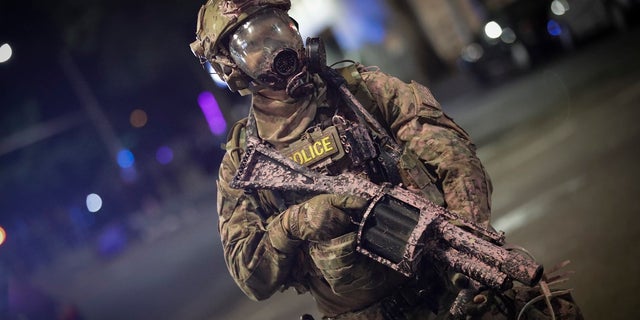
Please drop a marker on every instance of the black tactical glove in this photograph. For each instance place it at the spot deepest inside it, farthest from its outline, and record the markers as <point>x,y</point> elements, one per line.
<point>321,217</point>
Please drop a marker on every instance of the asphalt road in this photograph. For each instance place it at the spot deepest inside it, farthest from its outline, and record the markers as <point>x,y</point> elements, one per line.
<point>561,145</point>
<point>563,158</point>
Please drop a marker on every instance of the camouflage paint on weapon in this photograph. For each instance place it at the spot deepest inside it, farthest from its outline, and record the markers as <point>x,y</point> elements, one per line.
<point>439,234</point>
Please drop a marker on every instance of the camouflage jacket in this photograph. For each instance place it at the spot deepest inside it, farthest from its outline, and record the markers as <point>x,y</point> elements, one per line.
<point>263,260</point>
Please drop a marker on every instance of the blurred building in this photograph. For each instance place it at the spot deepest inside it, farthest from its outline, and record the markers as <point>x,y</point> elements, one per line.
<point>448,24</point>
<point>414,39</point>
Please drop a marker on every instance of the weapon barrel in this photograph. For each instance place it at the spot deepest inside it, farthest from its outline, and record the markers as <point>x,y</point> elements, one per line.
<point>473,267</point>
<point>514,265</point>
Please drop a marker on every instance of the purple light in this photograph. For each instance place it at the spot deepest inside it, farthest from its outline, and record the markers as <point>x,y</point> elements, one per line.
<point>164,155</point>
<point>212,113</point>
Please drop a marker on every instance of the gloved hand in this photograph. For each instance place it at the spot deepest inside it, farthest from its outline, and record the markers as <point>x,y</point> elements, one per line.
<point>321,217</point>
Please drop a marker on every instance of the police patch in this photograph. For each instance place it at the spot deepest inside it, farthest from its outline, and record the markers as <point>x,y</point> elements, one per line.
<point>316,146</point>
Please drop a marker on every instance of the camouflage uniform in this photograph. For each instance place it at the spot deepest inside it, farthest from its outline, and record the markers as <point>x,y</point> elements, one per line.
<point>261,230</point>
<point>262,259</point>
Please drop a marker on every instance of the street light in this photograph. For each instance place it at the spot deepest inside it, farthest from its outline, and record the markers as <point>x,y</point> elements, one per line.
<point>5,52</point>
<point>493,30</point>
<point>3,235</point>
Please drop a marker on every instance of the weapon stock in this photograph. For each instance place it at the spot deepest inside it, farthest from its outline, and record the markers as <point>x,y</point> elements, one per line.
<point>398,228</point>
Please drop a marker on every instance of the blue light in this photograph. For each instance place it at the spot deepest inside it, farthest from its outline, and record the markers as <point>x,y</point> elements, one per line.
<point>366,24</point>
<point>554,28</point>
<point>125,158</point>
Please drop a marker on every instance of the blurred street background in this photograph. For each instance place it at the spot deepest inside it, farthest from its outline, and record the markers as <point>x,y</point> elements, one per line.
<point>111,133</point>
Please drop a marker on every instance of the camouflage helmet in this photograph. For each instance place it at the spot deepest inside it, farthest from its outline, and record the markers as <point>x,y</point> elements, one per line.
<point>216,20</point>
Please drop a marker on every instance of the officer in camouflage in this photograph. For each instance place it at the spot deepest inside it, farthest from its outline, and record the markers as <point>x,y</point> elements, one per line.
<point>275,240</point>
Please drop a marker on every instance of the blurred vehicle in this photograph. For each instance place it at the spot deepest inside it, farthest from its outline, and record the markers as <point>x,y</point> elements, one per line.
<point>577,21</point>
<point>513,40</point>
<point>491,60</point>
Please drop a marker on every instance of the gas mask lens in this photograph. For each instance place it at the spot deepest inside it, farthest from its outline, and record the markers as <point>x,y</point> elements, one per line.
<point>266,47</point>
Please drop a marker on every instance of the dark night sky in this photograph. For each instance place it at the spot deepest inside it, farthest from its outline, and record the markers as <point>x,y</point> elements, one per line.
<point>134,55</point>
<point>122,48</point>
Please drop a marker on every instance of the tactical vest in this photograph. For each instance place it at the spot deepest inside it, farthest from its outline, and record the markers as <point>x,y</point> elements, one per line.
<point>341,143</point>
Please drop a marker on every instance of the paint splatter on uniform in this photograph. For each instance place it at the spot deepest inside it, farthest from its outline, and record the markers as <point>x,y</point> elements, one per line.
<point>263,259</point>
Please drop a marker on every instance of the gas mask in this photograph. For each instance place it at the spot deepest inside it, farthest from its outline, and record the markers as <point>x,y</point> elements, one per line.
<point>268,48</point>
